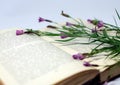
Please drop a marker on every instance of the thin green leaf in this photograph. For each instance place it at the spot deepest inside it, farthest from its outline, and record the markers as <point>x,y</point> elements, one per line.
<point>117,14</point>
<point>66,40</point>
<point>115,21</point>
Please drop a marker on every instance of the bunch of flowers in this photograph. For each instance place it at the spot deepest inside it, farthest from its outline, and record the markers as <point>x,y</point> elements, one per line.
<point>99,35</point>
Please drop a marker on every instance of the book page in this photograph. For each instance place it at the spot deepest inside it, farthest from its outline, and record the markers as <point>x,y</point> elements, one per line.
<point>28,57</point>
<point>9,39</point>
<point>31,58</point>
<point>34,59</point>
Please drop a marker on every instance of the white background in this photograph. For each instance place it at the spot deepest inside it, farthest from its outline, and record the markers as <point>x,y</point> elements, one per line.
<point>25,13</point>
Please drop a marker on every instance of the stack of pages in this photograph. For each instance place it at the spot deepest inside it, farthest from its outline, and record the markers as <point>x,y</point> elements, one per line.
<point>32,60</point>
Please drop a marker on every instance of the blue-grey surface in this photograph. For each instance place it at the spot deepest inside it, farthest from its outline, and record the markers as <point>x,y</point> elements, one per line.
<point>25,13</point>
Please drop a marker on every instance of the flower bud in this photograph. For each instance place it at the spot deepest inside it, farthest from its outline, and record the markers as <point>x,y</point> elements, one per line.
<point>19,32</point>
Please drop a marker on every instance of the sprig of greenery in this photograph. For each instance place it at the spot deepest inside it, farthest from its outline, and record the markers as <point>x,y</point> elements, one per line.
<point>100,34</point>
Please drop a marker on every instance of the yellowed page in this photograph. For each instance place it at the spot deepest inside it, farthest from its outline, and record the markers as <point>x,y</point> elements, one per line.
<point>7,78</point>
<point>63,71</point>
<point>17,57</point>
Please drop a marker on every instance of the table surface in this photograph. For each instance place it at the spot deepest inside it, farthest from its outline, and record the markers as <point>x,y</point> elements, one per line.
<point>25,13</point>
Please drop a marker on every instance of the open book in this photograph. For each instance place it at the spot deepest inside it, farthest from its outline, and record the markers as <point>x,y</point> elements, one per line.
<point>33,60</point>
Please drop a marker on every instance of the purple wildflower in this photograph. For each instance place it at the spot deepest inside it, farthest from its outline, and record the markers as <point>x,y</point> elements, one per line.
<point>94,22</point>
<point>89,20</point>
<point>69,24</point>
<point>63,35</point>
<point>78,56</point>
<point>94,30</point>
<point>41,19</point>
<point>85,63</point>
<point>75,56</point>
<point>19,32</point>
<point>100,24</point>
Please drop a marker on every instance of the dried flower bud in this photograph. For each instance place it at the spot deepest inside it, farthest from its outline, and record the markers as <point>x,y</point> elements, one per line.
<point>85,54</point>
<point>95,65</point>
<point>65,15</point>
<point>48,21</point>
<point>50,26</point>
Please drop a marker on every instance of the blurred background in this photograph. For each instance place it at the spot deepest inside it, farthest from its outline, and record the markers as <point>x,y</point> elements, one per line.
<point>25,13</point>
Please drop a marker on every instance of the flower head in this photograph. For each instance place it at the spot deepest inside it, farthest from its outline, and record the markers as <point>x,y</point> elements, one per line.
<point>19,32</point>
<point>89,20</point>
<point>41,19</point>
<point>100,24</point>
<point>78,56</point>
<point>94,30</point>
<point>69,24</point>
<point>63,35</point>
<point>85,63</point>
<point>96,22</point>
